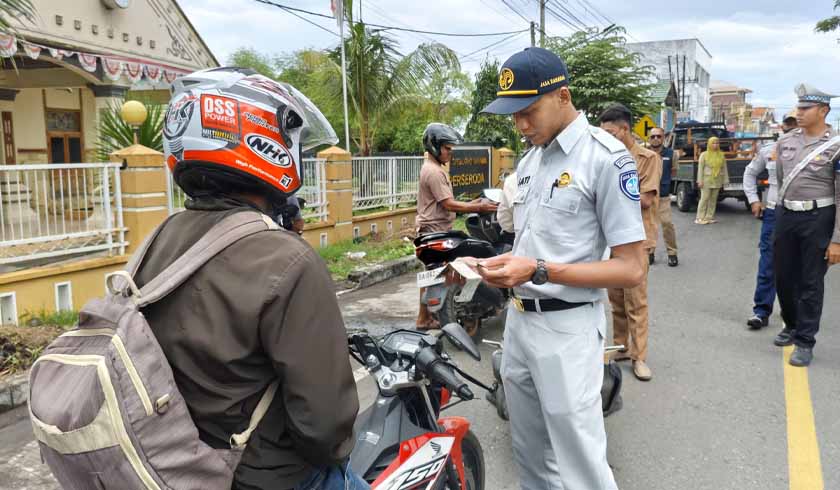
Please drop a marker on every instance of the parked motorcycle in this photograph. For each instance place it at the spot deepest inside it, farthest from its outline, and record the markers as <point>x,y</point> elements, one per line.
<point>611,401</point>
<point>435,250</point>
<point>402,442</point>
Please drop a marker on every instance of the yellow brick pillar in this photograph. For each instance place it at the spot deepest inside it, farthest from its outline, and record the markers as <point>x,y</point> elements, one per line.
<point>503,159</point>
<point>143,185</point>
<point>339,173</point>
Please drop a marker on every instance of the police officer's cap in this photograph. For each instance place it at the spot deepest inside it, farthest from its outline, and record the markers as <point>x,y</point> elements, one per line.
<point>810,96</point>
<point>525,77</point>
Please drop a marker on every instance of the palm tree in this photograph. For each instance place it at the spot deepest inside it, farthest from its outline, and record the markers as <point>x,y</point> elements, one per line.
<point>15,9</point>
<point>379,77</point>
<point>115,134</point>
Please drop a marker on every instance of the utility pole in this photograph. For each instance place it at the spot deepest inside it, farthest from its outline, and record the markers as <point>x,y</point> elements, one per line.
<point>533,34</point>
<point>542,23</point>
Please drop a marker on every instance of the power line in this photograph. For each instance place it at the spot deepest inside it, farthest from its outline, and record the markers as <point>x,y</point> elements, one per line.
<point>392,28</point>
<point>567,12</point>
<point>490,46</point>
<point>517,12</point>
<point>290,11</point>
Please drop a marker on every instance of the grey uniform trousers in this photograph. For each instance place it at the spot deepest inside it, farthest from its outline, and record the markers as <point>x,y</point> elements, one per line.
<point>552,371</point>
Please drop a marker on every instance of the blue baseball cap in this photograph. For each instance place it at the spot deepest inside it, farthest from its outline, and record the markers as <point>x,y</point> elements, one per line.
<point>525,77</point>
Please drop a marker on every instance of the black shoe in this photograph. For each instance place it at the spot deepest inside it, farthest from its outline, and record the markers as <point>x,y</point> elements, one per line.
<point>756,322</point>
<point>785,337</point>
<point>651,259</point>
<point>673,261</point>
<point>801,356</point>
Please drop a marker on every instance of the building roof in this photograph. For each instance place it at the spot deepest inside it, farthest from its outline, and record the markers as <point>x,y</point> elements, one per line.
<point>674,40</point>
<point>663,92</point>
<point>723,86</point>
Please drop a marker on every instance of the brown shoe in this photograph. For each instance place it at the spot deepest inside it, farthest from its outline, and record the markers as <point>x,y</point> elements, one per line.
<point>642,371</point>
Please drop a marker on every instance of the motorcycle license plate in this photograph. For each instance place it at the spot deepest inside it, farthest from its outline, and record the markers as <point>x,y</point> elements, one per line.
<point>431,277</point>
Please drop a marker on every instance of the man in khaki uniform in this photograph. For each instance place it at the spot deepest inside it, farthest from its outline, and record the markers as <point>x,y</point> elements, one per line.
<point>629,305</point>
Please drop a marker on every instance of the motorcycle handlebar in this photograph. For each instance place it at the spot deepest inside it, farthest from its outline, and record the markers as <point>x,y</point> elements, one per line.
<point>430,362</point>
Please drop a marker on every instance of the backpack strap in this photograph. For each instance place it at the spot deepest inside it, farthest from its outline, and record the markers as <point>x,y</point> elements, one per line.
<point>239,441</point>
<point>225,233</point>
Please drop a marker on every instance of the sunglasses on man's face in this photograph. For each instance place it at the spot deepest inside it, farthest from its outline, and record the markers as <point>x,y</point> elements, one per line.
<point>656,136</point>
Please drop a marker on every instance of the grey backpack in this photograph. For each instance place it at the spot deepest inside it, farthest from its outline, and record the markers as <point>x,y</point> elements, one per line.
<point>103,401</point>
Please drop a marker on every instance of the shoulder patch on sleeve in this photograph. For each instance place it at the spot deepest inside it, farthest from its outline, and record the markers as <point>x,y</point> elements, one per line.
<point>629,183</point>
<point>606,139</point>
<point>623,160</point>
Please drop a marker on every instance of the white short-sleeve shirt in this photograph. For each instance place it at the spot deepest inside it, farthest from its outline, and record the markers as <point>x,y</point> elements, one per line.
<point>575,196</point>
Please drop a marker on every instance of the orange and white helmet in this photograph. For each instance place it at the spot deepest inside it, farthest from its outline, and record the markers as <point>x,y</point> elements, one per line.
<point>233,129</point>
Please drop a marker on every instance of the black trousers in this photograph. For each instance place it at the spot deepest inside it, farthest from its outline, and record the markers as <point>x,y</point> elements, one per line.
<point>801,240</point>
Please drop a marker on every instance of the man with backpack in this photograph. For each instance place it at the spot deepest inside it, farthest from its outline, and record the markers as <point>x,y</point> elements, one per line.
<point>260,394</point>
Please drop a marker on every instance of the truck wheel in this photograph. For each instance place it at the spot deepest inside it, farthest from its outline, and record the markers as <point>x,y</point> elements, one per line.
<point>685,198</point>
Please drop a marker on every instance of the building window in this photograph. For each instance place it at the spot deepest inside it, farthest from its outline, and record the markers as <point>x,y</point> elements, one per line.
<point>8,309</point>
<point>373,227</point>
<point>63,296</point>
<point>356,232</point>
<point>390,226</point>
<point>323,239</point>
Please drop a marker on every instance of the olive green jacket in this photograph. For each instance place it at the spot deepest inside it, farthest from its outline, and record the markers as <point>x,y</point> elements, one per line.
<point>704,174</point>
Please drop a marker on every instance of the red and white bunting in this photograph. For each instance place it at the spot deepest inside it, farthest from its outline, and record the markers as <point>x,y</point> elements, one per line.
<point>170,76</point>
<point>88,61</point>
<point>55,53</point>
<point>112,68</point>
<point>153,73</point>
<point>32,50</point>
<point>8,45</point>
<point>134,71</point>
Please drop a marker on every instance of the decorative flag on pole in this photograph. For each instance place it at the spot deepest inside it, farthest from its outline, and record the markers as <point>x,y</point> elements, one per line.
<point>337,7</point>
<point>88,61</point>
<point>32,50</point>
<point>134,71</point>
<point>112,68</point>
<point>153,73</point>
<point>8,45</point>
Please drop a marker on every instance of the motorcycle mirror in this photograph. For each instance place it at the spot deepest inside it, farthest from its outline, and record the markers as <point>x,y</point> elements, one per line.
<point>494,195</point>
<point>462,340</point>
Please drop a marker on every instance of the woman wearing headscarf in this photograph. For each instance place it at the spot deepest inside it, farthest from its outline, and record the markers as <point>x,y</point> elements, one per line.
<point>711,176</point>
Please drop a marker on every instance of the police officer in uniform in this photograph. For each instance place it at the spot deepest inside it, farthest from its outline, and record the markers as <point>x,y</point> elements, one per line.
<point>765,284</point>
<point>808,229</point>
<point>577,193</point>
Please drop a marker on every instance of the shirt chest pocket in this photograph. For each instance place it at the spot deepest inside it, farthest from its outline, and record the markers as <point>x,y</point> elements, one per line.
<point>519,207</point>
<point>558,212</point>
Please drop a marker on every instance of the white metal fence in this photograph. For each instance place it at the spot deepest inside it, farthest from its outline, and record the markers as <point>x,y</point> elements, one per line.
<point>385,182</point>
<point>313,190</point>
<point>54,210</point>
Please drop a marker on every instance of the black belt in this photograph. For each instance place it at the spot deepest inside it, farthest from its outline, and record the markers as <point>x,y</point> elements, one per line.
<point>550,304</point>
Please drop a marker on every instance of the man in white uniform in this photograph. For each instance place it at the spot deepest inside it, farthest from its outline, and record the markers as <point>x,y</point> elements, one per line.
<point>577,193</point>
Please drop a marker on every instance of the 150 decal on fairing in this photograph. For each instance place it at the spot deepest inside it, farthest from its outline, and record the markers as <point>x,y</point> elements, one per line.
<point>422,469</point>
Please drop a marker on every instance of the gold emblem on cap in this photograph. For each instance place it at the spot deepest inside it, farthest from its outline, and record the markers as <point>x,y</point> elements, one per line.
<point>801,90</point>
<point>506,79</point>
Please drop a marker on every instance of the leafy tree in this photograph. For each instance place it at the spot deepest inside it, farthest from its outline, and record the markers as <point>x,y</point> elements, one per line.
<point>251,58</point>
<point>115,134</point>
<point>603,71</point>
<point>497,130</point>
<point>19,10</point>
<point>831,23</point>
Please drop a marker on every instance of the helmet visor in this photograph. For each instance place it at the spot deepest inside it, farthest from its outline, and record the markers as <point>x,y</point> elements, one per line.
<point>316,129</point>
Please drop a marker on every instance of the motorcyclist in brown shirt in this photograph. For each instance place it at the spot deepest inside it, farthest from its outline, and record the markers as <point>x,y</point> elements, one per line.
<point>264,308</point>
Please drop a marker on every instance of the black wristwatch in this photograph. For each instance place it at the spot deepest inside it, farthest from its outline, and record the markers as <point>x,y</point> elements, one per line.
<point>541,274</point>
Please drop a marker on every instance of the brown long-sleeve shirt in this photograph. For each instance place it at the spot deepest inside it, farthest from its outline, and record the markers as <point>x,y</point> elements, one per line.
<point>264,308</point>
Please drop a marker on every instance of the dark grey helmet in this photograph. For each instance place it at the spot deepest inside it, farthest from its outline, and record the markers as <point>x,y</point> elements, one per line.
<point>437,135</point>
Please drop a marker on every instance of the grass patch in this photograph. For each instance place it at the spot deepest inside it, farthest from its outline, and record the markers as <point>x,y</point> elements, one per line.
<point>65,318</point>
<point>20,346</point>
<point>340,265</point>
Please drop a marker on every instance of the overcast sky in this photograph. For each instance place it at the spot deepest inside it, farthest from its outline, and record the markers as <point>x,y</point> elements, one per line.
<point>767,46</point>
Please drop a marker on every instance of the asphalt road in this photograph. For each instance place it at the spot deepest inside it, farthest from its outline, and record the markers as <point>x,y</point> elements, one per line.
<point>714,415</point>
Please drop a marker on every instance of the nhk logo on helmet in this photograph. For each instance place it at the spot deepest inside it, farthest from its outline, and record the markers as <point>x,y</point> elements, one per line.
<point>269,150</point>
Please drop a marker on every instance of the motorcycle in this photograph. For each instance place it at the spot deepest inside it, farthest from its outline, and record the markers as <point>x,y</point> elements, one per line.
<point>611,401</point>
<point>435,250</point>
<point>402,442</point>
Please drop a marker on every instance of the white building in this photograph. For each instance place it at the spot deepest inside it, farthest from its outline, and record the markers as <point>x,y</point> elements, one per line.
<point>688,63</point>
